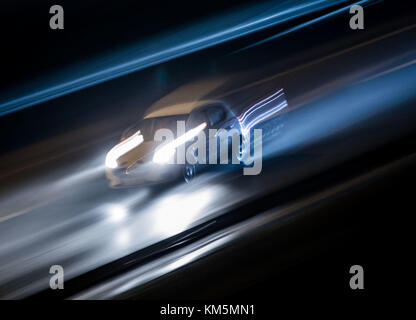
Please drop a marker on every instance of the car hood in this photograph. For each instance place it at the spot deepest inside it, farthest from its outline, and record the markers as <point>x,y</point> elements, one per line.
<point>141,154</point>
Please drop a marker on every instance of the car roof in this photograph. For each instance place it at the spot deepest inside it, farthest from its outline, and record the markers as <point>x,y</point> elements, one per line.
<point>185,99</point>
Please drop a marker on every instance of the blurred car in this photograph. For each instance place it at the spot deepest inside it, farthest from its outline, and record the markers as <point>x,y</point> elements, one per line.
<point>202,106</point>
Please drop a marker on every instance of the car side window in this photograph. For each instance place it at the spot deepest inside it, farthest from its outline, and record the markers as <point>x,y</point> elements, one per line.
<point>215,114</point>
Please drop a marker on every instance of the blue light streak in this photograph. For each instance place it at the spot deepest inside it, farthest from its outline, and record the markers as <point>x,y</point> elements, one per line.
<point>161,49</point>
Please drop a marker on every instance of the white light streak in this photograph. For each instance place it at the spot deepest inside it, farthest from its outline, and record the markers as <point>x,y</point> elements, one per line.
<point>122,148</point>
<point>165,153</point>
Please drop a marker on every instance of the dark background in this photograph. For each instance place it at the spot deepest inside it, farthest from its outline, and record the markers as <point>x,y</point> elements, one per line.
<point>30,48</point>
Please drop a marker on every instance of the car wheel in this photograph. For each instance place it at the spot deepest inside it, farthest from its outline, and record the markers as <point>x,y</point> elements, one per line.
<point>244,149</point>
<point>189,172</point>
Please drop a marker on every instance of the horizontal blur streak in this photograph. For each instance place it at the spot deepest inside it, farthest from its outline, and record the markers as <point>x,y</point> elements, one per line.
<point>197,37</point>
<point>308,23</point>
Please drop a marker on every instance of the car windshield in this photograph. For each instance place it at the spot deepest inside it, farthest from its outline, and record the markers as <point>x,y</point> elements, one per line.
<point>148,127</point>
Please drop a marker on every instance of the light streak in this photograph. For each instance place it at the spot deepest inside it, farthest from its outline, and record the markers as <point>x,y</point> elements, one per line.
<point>247,123</point>
<point>195,38</point>
<point>165,153</point>
<point>121,149</point>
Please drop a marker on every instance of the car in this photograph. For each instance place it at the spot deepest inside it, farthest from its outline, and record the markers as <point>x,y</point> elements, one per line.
<point>140,159</point>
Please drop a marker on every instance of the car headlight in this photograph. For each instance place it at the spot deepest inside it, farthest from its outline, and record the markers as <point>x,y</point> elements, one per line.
<point>121,149</point>
<point>165,153</point>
